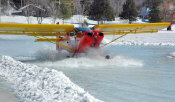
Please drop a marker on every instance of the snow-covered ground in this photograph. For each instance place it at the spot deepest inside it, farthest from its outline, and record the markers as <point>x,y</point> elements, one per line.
<point>161,38</point>
<point>75,19</point>
<point>35,84</point>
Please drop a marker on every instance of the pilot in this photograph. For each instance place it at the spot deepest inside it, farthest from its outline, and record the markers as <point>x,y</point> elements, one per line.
<point>169,27</point>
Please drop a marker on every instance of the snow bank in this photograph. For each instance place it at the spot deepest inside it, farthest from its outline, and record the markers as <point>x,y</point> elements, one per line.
<point>35,84</point>
<point>161,38</point>
<point>47,20</point>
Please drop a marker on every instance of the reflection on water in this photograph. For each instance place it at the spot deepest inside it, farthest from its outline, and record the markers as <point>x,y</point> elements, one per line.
<point>5,94</point>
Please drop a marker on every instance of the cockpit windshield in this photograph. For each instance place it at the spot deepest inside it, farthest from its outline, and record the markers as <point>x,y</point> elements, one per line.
<point>80,29</point>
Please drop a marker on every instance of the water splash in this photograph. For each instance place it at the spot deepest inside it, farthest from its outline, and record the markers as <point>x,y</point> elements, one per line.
<point>94,58</point>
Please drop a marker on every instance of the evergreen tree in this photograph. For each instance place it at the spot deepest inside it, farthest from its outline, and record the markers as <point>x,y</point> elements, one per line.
<point>64,12</point>
<point>151,3</point>
<point>17,3</point>
<point>86,5</point>
<point>3,2</point>
<point>155,12</point>
<point>129,11</point>
<point>109,13</point>
<point>101,11</point>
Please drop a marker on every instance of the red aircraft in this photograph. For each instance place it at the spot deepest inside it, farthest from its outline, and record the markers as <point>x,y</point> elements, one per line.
<point>78,40</point>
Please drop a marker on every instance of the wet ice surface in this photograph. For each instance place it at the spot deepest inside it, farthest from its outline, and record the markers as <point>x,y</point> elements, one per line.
<point>135,73</point>
<point>5,94</point>
<point>145,73</point>
<point>171,55</point>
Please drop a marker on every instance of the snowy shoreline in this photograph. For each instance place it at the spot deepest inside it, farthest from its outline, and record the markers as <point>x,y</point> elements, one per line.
<point>162,38</point>
<point>34,84</point>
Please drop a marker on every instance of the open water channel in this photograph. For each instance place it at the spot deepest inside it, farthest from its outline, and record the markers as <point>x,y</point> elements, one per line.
<point>133,74</point>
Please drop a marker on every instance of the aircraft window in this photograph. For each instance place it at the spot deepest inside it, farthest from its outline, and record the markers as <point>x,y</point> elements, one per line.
<point>82,29</point>
<point>71,33</point>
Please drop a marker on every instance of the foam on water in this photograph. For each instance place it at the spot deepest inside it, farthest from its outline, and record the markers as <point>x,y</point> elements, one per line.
<point>94,58</point>
<point>6,95</point>
<point>87,62</point>
<point>34,84</point>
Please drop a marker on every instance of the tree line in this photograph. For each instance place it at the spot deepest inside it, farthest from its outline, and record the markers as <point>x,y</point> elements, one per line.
<point>99,10</point>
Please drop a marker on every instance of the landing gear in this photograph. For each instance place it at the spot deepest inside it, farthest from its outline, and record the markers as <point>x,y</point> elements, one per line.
<point>107,57</point>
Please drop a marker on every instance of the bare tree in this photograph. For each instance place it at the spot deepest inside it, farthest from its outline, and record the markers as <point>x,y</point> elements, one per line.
<point>52,8</point>
<point>82,8</point>
<point>28,18</point>
<point>117,6</point>
<point>168,11</point>
<point>40,13</point>
<point>40,17</point>
<point>79,9</point>
<point>164,8</point>
<point>0,10</point>
<point>5,7</point>
<point>29,12</point>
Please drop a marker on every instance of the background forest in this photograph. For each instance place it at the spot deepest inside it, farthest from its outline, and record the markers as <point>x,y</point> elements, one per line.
<point>107,10</point>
